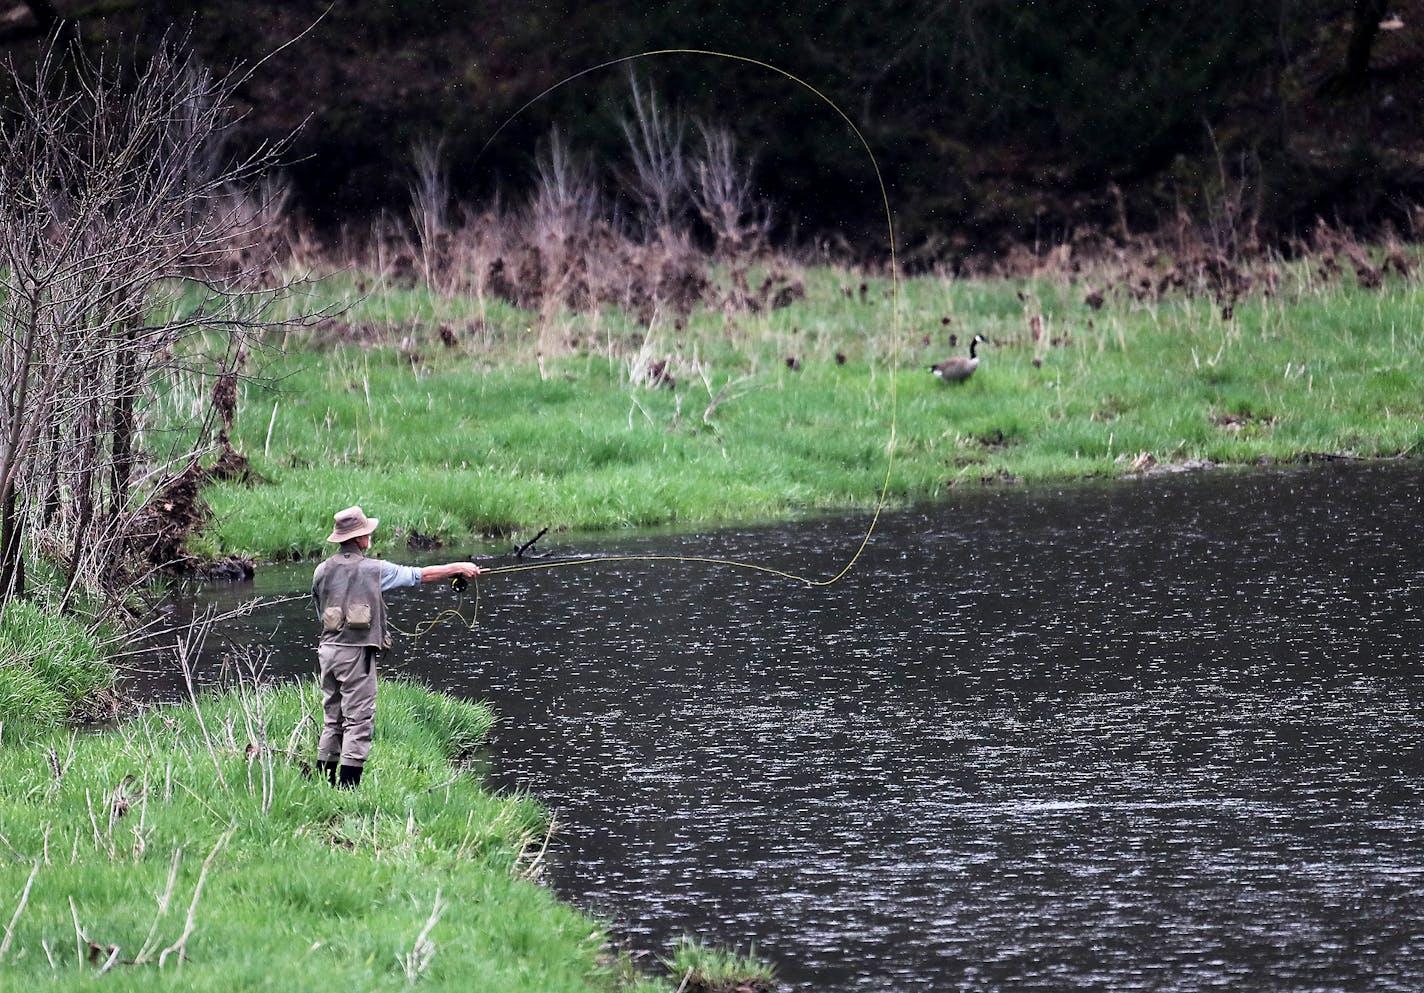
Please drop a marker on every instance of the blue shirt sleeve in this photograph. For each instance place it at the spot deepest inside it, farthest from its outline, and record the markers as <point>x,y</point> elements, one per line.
<point>393,575</point>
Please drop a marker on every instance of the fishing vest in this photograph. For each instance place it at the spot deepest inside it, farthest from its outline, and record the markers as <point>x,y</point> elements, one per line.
<point>347,588</point>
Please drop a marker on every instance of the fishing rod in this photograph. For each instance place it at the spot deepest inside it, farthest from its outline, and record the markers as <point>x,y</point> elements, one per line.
<point>460,584</point>
<point>742,61</point>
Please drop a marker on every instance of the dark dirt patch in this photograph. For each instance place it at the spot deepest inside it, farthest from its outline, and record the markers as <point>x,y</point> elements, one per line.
<point>697,984</point>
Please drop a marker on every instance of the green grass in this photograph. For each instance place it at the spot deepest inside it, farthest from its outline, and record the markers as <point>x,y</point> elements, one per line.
<point>703,968</point>
<point>490,437</point>
<point>195,831</point>
<point>52,668</point>
<point>306,887</point>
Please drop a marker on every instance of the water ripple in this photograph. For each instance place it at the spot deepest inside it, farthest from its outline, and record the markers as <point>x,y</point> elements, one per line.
<point>1151,736</point>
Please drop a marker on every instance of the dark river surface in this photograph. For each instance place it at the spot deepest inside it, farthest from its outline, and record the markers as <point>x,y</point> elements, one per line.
<point>1151,735</point>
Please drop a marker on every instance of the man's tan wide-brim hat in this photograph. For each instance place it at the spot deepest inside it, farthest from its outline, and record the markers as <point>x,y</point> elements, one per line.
<point>352,523</point>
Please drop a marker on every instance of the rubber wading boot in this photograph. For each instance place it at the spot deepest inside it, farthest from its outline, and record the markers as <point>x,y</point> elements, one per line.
<point>330,769</point>
<point>350,777</point>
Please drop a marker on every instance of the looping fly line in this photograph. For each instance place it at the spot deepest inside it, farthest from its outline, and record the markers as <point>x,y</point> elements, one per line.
<point>426,625</point>
<point>895,328</point>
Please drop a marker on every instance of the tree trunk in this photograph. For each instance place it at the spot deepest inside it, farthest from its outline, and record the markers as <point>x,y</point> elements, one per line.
<point>12,559</point>
<point>50,490</point>
<point>86,481</point>
<point>13,456</point>
<point>125,379</point>
<point>1364,27</point>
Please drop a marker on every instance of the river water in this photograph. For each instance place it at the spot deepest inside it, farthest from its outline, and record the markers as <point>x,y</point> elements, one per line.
<point>1152,735</point>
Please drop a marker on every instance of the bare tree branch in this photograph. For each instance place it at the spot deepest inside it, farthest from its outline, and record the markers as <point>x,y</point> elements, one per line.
<point>659,178</point>
<point>127,235</point>
<point>724,196</point>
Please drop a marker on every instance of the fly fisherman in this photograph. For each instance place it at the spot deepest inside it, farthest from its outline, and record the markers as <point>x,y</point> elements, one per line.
<point>348,589</point>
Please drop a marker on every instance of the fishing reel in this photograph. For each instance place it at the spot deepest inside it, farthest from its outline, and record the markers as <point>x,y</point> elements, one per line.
<point>459,584</point>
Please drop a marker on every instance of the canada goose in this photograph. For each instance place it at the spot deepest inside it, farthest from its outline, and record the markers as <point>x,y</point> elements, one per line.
<point>958,369</point>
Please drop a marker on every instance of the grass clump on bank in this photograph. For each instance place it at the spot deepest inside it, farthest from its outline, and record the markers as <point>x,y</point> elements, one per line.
<point>454,425</point>
<point>52,669</point>
<point>188,849</point>
<point>700,969</point>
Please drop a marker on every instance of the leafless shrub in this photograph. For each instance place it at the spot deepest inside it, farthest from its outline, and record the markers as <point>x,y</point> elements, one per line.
<point>722,194</point>
<point>658,182</point>
<point>478,240</point>
<point>258,236</point>
<point>564,214</point>
<point>564,222</point>
<point>1233,208</point>
<point>567,204</point>
<point>388,253</point>
<point>115,214</point>
<point>429,211</point>
<point>570,249</point>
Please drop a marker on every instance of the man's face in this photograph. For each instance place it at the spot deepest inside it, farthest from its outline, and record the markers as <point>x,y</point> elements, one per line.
<point>364,541</point>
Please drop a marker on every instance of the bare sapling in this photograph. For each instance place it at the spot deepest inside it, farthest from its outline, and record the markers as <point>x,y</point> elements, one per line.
<point>672,272</point>
<point>261,238</point>
<point>430,213</point>
<point>563,221</point>
<point>724,196</point>
<point>1233,209</point>
<point>125,234</point>
<point>476,243</point>
<point>658,182</point>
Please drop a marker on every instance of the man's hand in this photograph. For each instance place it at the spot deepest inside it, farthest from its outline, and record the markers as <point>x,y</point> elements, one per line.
<point>440,573</point>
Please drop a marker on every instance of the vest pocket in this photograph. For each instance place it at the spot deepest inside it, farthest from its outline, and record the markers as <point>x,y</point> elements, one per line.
<point>358,616</point>
<point>331,620</point>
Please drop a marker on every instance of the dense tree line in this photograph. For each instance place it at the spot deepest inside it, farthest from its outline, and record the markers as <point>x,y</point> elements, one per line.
<point>992,121</point>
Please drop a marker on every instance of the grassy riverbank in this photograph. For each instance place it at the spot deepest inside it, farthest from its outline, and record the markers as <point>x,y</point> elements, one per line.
<point>52,671</point>
<point>188,849</point>
<point>457,416</point>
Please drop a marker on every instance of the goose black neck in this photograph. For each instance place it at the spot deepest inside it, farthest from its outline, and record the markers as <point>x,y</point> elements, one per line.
<point>973,344</point>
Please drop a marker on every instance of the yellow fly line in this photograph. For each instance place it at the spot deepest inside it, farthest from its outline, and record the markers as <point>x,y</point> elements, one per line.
<point>595,560</point>
<point>895,330</point>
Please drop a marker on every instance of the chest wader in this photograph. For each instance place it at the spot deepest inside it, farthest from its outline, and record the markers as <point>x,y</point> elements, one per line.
<point>347,589</point>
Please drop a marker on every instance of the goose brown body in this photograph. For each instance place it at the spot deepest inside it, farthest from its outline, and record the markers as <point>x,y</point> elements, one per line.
<point>959,368</point>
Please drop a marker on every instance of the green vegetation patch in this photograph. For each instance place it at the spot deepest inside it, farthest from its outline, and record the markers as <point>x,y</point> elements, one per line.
<point>189,849</point>
<point>51,667</point>
<point>714,970</point>
<point>436,423</point>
